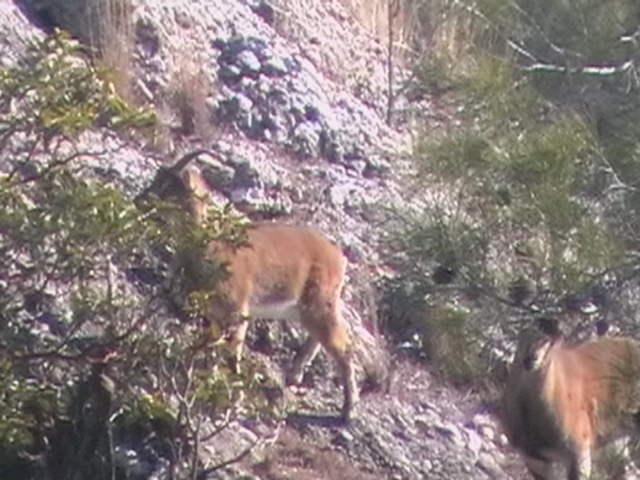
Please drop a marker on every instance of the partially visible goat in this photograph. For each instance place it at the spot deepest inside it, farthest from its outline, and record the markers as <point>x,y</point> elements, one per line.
<point>282,271</point>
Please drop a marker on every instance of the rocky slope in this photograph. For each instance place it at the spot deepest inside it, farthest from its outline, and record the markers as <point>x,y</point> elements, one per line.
<point>292,98</point>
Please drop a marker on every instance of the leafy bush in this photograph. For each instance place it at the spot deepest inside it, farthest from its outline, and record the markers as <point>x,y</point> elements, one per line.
<point>61,93</point>
<point>450,342</point>
<point>86,347</point>
<point>529,200</point>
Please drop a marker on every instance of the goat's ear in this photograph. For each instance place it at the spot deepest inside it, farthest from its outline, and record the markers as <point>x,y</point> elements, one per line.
<point>186,176</point>
<point>549,326</point>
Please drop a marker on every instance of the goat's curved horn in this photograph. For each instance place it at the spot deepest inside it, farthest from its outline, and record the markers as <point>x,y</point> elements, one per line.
<point>180,164</point>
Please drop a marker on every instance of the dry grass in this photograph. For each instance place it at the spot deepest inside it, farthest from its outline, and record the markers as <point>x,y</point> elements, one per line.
<point>437,26</point>
<point>430,34</point>
<point>162,138</point>
<point>372,14</point>
<point>110,32</point>
<point>183,109</point>
<point>188,91</point>
<point>376,16</point>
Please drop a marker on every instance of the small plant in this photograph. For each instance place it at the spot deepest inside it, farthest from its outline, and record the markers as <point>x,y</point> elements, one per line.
<point>453,343</point>
<point>60,93</point>
<point>187,94</point>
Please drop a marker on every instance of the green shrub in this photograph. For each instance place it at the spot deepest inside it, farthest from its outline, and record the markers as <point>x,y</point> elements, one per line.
<point>452,342</point>
<point>85,352</point>
<point>528,198</point>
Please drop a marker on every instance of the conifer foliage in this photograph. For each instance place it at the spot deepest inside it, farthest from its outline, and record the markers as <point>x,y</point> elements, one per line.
<point>532,200</point>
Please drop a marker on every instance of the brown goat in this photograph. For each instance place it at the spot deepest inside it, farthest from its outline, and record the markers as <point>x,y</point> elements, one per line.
<point>562,402</point>
<point>282,271</point>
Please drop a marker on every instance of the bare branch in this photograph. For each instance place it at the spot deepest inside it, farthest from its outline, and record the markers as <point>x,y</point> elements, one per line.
<point>595,70</point>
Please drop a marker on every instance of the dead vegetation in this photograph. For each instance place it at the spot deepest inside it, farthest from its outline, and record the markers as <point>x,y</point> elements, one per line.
<point>188,89</point>
<point>112,34</point>
<point>294,457</point>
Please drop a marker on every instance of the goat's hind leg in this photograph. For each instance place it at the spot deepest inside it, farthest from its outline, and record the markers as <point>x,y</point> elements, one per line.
<point>303,358</point>
<point>329,329</point>
<point>236,343</point>
<point>351,394</point>
<point>539,468</point>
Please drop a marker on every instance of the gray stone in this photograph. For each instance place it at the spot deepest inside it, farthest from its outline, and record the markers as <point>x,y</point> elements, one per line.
<point>305,140</point>
<point>275,67</point>
<point>236,108</point>
<point>231,49</point>
<point>376,167</point>
<point>249,63</point>
<point>474,442</point>
<point>147,38</point>
<point>264,10</point>
<point>339,195</point>
<point>246,176</point>
<point>330,148</point>
<point>245,105</point>
<point>230,73</point>
<point>219,176</point>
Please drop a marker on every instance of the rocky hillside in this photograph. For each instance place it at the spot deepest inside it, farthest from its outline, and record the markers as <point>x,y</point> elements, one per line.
<point>291,95</point>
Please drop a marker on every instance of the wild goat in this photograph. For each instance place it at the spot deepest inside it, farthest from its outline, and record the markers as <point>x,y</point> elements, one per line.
<point>563,401</point>
<point>283,271</point>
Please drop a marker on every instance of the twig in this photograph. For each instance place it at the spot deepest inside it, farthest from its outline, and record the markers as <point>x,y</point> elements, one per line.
<point>225,423</point>
<point>393,9</point>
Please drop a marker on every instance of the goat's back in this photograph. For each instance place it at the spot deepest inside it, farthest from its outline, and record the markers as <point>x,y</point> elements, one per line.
<point>280,261</point>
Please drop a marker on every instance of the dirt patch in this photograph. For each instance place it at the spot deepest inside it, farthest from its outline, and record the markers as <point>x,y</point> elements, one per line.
<point>294,457</point>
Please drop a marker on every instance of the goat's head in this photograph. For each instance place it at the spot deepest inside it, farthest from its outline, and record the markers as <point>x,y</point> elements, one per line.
<point>176,183</point>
